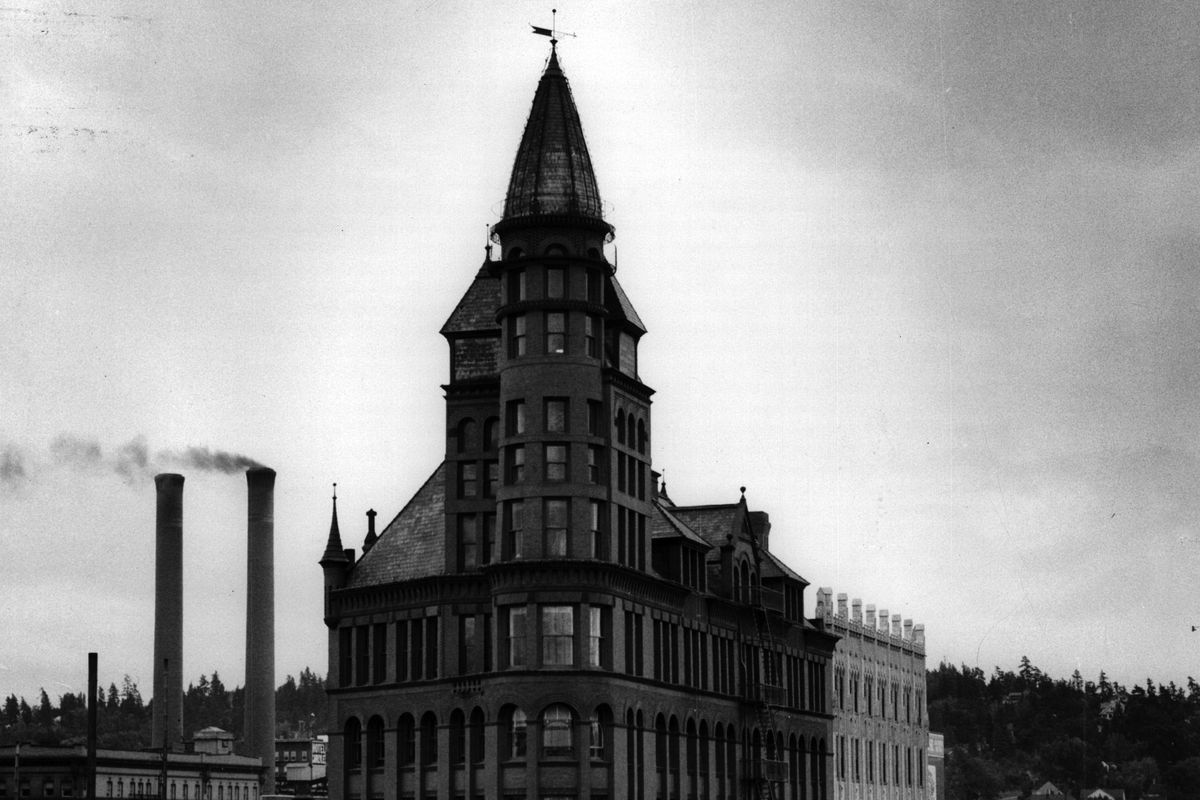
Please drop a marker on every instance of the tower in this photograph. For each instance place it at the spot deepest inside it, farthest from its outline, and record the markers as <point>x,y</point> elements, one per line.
<point>539,619</point>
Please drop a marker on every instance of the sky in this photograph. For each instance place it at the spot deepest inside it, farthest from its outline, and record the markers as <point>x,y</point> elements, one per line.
<point>922,276</point>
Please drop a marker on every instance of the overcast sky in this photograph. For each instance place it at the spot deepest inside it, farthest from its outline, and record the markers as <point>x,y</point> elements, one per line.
<point>922,276</point>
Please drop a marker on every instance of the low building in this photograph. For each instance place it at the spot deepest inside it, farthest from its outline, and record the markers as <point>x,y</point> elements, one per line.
<point>50,772</point>
<point>880,727</point>
<point>300,766</point>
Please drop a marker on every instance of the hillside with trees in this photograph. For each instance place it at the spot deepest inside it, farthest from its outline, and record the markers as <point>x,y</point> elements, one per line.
<point>1014,731</point>
<point>124,719</point>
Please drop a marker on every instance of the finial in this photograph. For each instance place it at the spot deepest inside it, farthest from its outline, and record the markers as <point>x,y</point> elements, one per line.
<point>487,247</point>
<point>743,490</point>
<point>335,492</point>
<point>664,480</point>
<point>552,31</point>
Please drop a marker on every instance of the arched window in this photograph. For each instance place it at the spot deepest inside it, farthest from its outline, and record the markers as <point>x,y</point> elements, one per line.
<point>512,733</point>
<point>620,426</point>
<point>631,430</point>
<point>557,731</point>
<point>466,435</point>
<point>692,762</point>
<point>673,754</point>
<point>660,751</point>
<point>458,737</point>
<point>375,743</point>
<point>641,436</point>
<point>429,747</point>
<point>476,736</point>
<point>600,733</point>
<point>515,254</point>
<point>407,740</point>
<point>719,738</point>
<point>353,743</point>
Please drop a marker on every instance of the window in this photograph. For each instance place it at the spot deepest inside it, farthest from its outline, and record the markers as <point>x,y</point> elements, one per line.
<point>458,737</point>
<point>595,457</point>
<point>515,464</point>
<point>556,282</point>
<point>491,434</point>
<point>595,528</point>
<point>594,286</point>
<point>556,415</point>
<point>516,336</point>
<point>513,530</point>
<point>353,742</point>
<point>516,285</point>
<point>556,462</point>
<point>466,435</point>
<point>375,743</point>
<point>556,731</point>
<point>556,332</point>
<point>591,335</point>
<point>491,478</point>
<point>467,645</point>
<point>641,436</point>
<point>595,411</point>
<point>512,732</point>
<point>515,417</point>
<point>407,736</point>
<point>429,753</point>
<point>557,512</point>
<point>599,633</point>
<point>558,635</point>
<point>468,479</point>
<point>620,426</point>
<point>516,636</point>
<point>488,539</point>
<point>379,656</point>
<point>628,355</point>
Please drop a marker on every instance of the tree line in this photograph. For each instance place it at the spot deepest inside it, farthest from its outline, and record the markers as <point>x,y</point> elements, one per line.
<point>124,719</point>
<point>1013,731</point>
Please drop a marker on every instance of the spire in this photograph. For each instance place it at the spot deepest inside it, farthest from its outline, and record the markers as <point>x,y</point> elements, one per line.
<point>334,554</point>
<point>552,174</point>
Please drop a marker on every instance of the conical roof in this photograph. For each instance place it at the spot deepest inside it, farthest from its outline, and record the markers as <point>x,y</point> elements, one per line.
<point>333,546</point>
<point>552,174</point>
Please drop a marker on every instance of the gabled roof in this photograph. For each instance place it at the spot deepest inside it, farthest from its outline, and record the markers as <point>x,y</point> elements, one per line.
<point>476,311</point>
<point>413,544</point>
<point>665,525</point>
<point>772,567</point>
<point>552,173</point>
<point>1047,789</point>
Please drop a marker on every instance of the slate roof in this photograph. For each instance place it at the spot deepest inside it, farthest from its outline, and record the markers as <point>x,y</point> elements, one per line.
<point>664,525</point>
<point>476,311</point>
<point>413,544</point>
<point>553,172</point>
<point>772,567</point>
<point>626,307</point>
<point>713,524</point>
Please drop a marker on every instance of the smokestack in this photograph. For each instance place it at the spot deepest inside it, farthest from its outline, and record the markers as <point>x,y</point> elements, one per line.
<point>259,724</point>
<point>167,727</point>
<point>91,726</point>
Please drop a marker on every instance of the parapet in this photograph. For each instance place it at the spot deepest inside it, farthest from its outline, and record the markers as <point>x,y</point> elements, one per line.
<point>848,614</point>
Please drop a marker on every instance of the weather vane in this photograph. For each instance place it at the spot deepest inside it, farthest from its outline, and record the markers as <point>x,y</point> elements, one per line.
<point>553,32</point>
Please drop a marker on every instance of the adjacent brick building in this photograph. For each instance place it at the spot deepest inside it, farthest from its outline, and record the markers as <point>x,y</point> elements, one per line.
<point>540,619</point>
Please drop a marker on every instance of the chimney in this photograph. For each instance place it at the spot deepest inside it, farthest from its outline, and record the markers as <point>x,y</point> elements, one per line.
<point>824,603</point>
<point>896,625</point>
<point>908,628</point>
<point>856,610</point>
<point>167,725</point>
<point>761,522</point>
<point>369,542</point>
<point>841,608</point>
<point>919,635</point>
<point>883,620</point>
<point>259,723</point>
<point>869,622</point>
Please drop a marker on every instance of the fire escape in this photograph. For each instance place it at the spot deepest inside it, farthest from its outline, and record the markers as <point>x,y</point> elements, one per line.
<point>764,767</point>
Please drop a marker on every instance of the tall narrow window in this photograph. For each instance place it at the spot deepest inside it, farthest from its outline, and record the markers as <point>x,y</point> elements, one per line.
<point>514,417</point>
<point>491,478</point>
<point>557,514</point>
<point>468,479</point>
<point>594,287</point>
<point>591,335</point>
<point>558,635</point>
<point>468,542</point>
<point>487,539</point>
<point>595,522</point>
<point>516,636</point>
<point>514,534</point>
<point>595,410</point>
<point>599,635</point>
<point>516,285</point>
<point>556,462</point>
<point>517,734</point>
<point>595,457</point>
<point>515,464</point>
<point>556,415</point>
<point>516,335</point>
<point>556,332</point>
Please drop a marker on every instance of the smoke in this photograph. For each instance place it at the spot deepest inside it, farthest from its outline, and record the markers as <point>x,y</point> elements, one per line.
<point>131,461</point>
<point>208,460</point>
<point>12,465</point>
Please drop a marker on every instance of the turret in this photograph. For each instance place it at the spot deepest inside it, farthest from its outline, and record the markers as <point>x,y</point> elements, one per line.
<point>335,560</point>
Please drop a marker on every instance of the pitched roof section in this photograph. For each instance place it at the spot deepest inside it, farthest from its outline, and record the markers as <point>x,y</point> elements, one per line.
<point>333,545</point>
<point>626,307</point>
<point>476,311</point>
<point>553,171</point>
<point>714,524</point>
<point>412,545</point>
<point>667,525</point>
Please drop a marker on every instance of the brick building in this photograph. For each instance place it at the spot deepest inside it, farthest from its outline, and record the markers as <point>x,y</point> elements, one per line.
<point>540,619</point>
